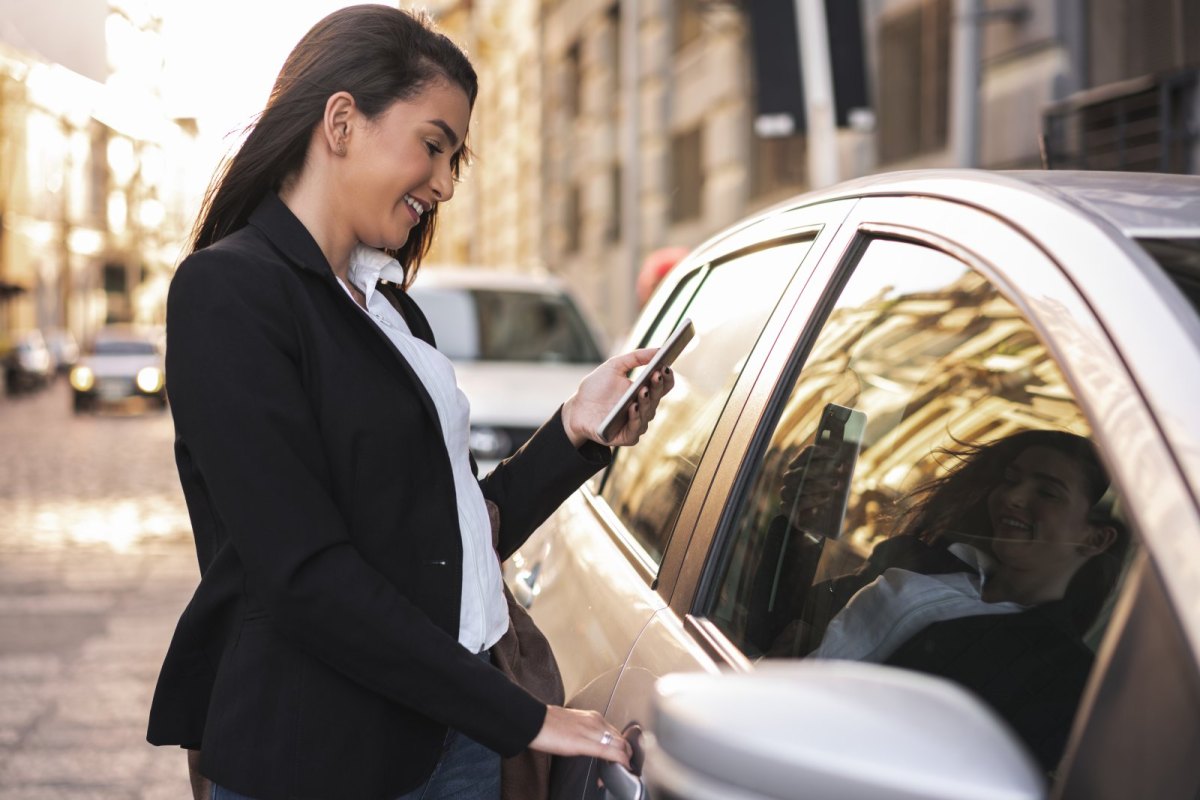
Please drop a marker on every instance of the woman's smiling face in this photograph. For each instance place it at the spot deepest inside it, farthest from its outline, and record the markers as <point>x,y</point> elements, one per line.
<point>399,165</point>
<point>1039,509</point>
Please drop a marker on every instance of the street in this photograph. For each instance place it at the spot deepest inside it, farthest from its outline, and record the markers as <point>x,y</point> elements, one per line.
<point>96,563</point>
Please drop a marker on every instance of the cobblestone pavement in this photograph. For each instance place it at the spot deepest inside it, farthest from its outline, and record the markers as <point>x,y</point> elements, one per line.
<point>96,563</point>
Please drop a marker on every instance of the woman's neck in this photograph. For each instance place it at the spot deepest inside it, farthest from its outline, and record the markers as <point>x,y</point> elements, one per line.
<point>1027,588</point>
<point>306,198</point>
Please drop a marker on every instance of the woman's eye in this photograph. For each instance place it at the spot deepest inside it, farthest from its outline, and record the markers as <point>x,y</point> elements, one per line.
<point>433,147</point>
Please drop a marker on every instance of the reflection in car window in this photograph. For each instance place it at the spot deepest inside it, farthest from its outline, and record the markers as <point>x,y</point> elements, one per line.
<point>501,325</point>
<point>929,453</point>
<point>646,484</point>
<point>671,313</point>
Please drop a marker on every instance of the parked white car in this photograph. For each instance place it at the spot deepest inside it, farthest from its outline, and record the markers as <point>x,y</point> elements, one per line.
<point>906,315</point>
<point>520,347</point>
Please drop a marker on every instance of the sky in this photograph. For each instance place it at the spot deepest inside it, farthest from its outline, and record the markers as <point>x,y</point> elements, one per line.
<point>222,56</point>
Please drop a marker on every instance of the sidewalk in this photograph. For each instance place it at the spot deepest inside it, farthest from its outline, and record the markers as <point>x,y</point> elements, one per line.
<point>96,563</point>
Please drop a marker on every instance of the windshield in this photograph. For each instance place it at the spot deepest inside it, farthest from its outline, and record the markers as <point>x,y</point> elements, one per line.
<point>501,325</point>
<point>124,347</point>
<point>1180,259</point>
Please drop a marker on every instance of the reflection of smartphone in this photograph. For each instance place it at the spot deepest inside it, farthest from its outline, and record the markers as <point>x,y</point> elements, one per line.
<point>839,432</point>
<point>670,350</point>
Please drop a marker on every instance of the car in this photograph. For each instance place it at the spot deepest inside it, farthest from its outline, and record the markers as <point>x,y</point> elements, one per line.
<point>28,365</point>
<point>890,322</point>
<point>64,349</point>
<point>519,343</point>
<point>123,364</point>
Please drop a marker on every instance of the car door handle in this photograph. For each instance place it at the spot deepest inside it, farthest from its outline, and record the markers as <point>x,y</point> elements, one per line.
<point>625,784</point>
<point>620,783</point>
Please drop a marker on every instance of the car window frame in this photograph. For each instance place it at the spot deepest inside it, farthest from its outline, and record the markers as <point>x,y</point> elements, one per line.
<point>819,224</point>
<point>963,232</point>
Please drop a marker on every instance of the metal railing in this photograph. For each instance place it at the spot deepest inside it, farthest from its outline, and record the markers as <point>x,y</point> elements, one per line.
<point>1149,124</point>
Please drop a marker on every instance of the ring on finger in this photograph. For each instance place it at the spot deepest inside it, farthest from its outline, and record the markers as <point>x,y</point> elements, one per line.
<point>606,738</point>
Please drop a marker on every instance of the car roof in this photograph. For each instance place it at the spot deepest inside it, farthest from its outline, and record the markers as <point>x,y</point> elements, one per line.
<point>1133,204</point>
<point>441,276</point>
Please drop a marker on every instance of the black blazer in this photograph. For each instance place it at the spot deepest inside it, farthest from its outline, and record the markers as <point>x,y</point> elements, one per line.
<point>319,657</point>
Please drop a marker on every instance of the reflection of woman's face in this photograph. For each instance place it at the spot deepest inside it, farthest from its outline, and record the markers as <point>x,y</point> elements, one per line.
<point>1039,510</point>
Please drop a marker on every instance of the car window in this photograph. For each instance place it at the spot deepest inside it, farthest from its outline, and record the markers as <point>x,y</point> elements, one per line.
<point>646,484</point>
<point>668,317</point>
<point>124,347</point>
<point>927,495</point>
<point>501,325</point>
<point>1180,259</point>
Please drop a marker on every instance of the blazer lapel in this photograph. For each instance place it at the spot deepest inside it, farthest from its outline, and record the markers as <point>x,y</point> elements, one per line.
<point>289,236</point>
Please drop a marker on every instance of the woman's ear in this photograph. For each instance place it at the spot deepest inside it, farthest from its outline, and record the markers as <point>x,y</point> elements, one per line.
<point>335,125</point>
<point>1099,538</point>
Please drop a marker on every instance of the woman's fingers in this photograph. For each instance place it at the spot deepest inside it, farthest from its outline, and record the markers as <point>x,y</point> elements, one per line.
<point>573,732</point>
<point>639,415</point>
<point>602,389</point>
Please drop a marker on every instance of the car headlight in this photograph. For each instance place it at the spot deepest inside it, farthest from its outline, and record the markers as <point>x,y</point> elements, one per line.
<point>488,442</point>
<point>150,379</point>
<point>82,379</point>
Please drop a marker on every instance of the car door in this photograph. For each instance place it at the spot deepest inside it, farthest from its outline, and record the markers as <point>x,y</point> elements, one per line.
<point>604,565</point>
<point>945,328</point>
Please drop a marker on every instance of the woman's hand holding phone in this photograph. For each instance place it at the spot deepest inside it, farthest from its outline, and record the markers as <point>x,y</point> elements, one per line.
<point>585,411</point>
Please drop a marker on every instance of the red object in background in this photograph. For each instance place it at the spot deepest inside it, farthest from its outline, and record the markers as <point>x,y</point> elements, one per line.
<point>656,266</point>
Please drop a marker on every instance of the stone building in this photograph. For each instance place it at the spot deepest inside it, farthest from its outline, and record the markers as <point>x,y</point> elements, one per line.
<point>95,186</point>
<point>609,128</point>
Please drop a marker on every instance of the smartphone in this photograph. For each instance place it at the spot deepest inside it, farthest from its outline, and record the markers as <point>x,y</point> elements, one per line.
<point>840,432</point>
<point>667,353</point>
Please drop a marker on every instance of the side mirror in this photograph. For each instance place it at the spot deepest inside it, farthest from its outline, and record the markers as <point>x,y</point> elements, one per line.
<point>836,730</point>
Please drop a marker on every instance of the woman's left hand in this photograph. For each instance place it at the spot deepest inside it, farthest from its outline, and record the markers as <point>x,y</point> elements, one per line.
<point>602,388</point>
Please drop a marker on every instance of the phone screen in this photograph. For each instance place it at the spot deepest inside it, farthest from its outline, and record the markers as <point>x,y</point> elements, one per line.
<point>666,355</point>
<point>838,439</point>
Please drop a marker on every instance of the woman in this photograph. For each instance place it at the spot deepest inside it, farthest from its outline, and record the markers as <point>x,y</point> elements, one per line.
<point>337,645</point>
<point>1001,568</point>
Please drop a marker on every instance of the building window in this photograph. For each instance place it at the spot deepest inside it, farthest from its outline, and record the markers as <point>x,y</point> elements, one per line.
<point>914,75</point>
<point>572,82</point>
<point>778,163</point>
<point>687,174</point>
<point>613,229</point>
<point>114,278</point>
<point>614,29</point>
<point>574,219</point>
<point>1133,38</point>
<point>688,22</point>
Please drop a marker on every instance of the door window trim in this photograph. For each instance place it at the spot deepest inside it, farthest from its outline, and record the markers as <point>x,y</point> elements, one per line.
<point>820,230</point>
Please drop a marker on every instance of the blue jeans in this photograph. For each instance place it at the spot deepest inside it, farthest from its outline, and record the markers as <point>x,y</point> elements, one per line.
<point>466,771</point>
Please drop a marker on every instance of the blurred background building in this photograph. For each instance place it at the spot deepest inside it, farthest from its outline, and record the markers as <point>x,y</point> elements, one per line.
<point>605,130</point>
<point>97,188</point>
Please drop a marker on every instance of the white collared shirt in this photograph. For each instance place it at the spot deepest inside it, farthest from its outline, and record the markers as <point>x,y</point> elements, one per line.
<point>483,617</point>
<point>899,604</point>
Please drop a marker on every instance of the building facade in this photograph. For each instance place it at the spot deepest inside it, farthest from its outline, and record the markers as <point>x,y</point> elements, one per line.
<point>96,190</point>
<point>637,131</point>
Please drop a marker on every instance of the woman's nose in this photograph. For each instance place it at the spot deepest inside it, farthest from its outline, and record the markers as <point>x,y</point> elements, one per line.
<point>442,183</point>
<point>1015,495</point>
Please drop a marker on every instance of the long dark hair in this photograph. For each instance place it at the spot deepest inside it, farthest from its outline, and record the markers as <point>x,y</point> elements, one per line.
<point>957,502</point>
<point>379,55</point>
